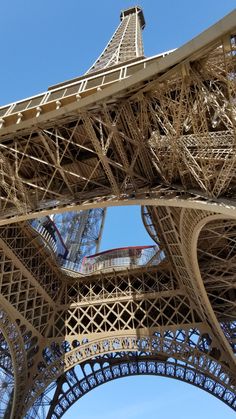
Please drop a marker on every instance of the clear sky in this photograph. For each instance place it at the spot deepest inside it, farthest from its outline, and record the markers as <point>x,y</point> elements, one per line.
<point>48,41</point>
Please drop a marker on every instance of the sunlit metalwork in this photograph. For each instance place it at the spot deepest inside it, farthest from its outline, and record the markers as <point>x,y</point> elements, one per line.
<point>72,236</point>
<point>157,132</point>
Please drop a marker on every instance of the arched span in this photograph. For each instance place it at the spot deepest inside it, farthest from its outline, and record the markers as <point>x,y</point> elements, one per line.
<point>217,263</point>
<point>161,197</point>
<point>189,348</point>
<point>104,370</point>
<point>193,222</point>
<point>189,226</point>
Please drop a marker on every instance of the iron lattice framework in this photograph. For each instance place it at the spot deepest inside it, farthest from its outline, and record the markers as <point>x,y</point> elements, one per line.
<point>126,44</point>
<point>156,132</point>
<point>72,236</point>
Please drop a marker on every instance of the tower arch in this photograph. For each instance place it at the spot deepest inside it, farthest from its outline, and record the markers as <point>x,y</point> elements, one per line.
<point>187,355</point>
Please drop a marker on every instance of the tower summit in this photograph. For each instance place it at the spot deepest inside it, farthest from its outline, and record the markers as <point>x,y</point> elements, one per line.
<point>126,44</point>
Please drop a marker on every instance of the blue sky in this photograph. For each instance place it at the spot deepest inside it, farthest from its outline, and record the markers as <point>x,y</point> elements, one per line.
<point>48,41</point>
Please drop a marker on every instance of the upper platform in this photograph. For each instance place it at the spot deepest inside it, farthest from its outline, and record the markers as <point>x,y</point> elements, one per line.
<point>137,10</point>
<point>66,98</point>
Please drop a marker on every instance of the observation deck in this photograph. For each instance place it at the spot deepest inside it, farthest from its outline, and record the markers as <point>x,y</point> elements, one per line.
<point>106,261</point>
<point>27,112</point>
<point>122,258</point>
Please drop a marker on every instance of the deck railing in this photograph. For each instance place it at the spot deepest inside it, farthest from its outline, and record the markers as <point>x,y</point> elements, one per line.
<point>114,259</point>
<point>64,93</point>
<point>51,236</point>
<point>122,258</point>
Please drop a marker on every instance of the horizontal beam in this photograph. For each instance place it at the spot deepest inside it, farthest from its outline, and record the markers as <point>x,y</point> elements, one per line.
<point>165,197</point>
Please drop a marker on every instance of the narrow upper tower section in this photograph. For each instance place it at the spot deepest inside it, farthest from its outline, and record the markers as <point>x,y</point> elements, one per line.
<point>126,44</point>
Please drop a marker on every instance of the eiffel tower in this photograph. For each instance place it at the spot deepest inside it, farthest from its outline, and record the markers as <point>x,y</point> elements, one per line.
<point>157,132</point>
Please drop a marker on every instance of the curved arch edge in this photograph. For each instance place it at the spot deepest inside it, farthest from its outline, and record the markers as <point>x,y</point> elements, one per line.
<point>140,365</point>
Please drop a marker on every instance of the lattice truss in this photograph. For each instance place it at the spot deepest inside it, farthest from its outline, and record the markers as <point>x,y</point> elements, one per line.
<point>6,376</point>
<point>17,346</point>
<point>29,280</point>
<point>126,43</point>
<point>99,309</point>
<point>142,300</point>
<point>184,354</point>
<point>81,232</point>
<point>212,264</point>
<point>216,255</point>
<point>171,137</point>
<point>177,132</point>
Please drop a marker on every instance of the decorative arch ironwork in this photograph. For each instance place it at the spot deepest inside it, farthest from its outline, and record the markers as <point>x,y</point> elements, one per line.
<point>74,384</point>
<point>192,350</point>
<point>140,366</point>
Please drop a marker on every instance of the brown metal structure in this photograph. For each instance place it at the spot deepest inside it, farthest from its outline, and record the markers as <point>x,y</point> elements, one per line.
<point>157,132</point>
